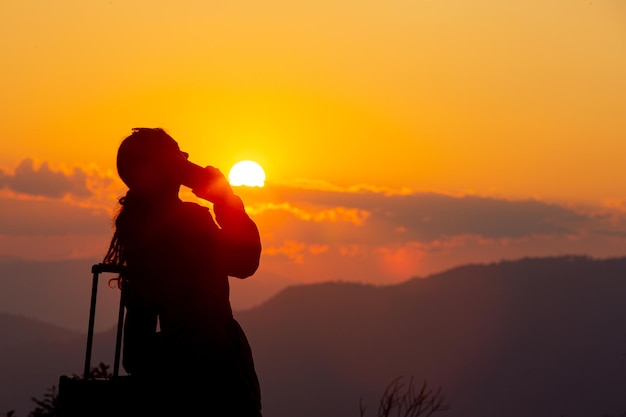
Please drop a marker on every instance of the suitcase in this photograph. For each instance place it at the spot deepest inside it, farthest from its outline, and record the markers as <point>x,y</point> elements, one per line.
<point>102,396</point>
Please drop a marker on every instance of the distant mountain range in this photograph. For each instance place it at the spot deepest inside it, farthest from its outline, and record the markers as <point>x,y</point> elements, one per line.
<point>536,337</point>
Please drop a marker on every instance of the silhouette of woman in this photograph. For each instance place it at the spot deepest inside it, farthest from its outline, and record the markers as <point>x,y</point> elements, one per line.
<point>180,337</point>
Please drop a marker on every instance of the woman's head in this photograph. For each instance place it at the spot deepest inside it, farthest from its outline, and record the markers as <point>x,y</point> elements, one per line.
<point>146,160</point>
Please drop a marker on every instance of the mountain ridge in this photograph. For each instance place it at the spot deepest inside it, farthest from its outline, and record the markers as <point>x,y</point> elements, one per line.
<point>534,336</point>
<point>504,320</point>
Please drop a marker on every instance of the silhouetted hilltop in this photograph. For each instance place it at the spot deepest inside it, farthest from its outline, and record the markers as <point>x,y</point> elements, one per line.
<point>34,354</point>
<point>539,337</point>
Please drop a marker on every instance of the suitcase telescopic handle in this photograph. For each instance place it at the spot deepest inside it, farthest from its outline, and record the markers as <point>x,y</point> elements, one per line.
<point>96,270</point>
<point>100,268</point>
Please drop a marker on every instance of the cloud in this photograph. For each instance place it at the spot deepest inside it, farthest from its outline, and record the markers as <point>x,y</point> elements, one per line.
<point>49,217</point>
<point>372,234</point>
<point>50,213</point>
<point>311,234</point>
<point>44,181</point>
<point>323,216</point>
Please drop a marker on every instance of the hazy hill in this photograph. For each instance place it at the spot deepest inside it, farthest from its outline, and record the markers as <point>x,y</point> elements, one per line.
<point>55,291</point>
<point>33,355</point>
<point>533,337</point>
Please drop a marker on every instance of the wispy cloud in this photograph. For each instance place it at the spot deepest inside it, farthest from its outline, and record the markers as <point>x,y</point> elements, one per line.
<point>39,217</point>
<point>317,231</point>
<point>44,181</point>
<point>343,216</point>
<point>367,232</point>
<point>51,213</point>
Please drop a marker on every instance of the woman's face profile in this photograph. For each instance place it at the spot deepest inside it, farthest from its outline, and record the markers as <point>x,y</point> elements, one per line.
<point>148,160</point>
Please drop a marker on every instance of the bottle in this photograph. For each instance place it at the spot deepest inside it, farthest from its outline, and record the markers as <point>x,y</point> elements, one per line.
<point>193,176</point>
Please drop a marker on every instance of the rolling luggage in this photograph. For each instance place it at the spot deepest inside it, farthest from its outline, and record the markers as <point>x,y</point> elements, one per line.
<point>99,396</point>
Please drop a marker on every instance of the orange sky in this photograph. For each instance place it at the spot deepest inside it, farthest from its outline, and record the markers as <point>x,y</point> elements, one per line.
<point>513,98</point>
<point>510,100</point>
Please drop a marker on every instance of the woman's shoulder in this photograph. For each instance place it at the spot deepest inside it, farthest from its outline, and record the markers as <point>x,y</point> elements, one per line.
<point>191,216</point>
<point>197,212</point>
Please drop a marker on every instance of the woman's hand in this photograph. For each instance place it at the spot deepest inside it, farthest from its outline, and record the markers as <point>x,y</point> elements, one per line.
<point>219,189</point>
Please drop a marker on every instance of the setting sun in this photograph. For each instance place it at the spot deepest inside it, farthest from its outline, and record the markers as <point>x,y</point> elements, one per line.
<point>247,173</point>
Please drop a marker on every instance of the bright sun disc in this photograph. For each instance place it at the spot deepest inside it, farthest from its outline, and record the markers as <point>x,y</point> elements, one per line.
<point>247,173</point>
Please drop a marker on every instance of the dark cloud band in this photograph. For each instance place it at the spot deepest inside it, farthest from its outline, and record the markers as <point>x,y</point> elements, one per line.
<point>43,181</point>
<point>426,217</point>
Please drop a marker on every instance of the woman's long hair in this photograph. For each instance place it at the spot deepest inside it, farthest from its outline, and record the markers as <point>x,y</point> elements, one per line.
<point>137,166</point>
<point>126,221</point>
<point>115,254</point>
<point>136,157</point>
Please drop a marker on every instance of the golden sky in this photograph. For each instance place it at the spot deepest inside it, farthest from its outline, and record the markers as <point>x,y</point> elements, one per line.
<point>498,101</point>
<point>512,98</point>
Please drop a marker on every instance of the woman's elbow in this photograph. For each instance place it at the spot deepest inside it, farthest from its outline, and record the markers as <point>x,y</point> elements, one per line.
<point>244,270</point>
<point>246,266</point>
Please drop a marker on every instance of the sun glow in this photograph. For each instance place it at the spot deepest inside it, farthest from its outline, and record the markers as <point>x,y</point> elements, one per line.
<point>247,173</point>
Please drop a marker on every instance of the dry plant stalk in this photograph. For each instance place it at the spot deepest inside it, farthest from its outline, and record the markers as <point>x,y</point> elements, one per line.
<point>404,400</point>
